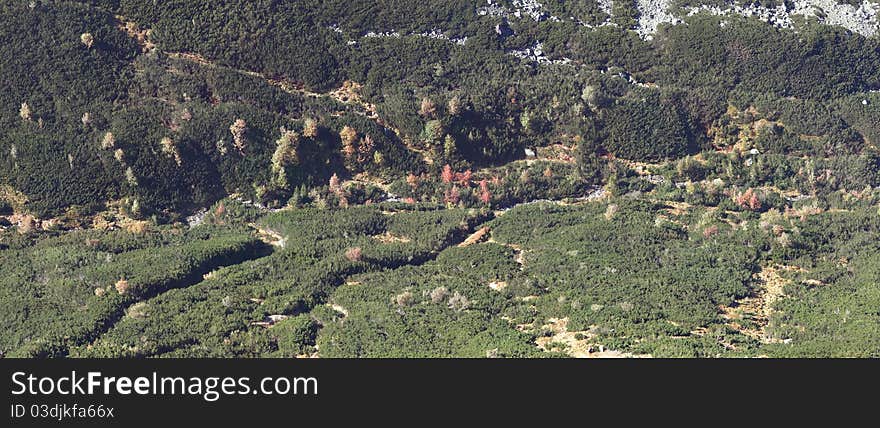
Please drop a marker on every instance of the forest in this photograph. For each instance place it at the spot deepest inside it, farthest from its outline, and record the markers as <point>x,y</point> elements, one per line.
<point>458,178</point>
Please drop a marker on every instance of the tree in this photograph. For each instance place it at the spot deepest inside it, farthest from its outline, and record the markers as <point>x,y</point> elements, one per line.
<point>354,254</point>
<point>593,96</point>
<point>87,39</point>
<point>170,149</point>
<point>349,149</point>
<point>454,106</point>
<point>286,153</point>
<point>449,147</point>
<point>485,195</point>
<point>108,142</point>
<point>427,109</point>
<point>749,200</point>
<point>434,131</point>
<point>334,185</point>
<point>590,164</point>
<point>238,130</point>
<point>447,174</point>
<point>365,150</point>
<point>25,112</point>
<point>310,128</point>
<point>452,196</point>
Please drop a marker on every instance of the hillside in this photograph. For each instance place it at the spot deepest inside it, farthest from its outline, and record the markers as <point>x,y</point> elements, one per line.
<point>475,178</point>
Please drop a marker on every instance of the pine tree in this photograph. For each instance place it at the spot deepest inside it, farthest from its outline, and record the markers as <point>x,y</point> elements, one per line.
<point>130,177</point>
<point>449,147</point>
<point>365,150</point>
<point>590,164</point>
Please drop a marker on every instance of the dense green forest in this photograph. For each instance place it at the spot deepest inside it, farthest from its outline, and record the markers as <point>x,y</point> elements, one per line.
<point>241,178</point>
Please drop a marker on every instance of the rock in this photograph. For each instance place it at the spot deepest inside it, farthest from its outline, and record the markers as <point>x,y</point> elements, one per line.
<point>476,237</point>
<point>274,319</point>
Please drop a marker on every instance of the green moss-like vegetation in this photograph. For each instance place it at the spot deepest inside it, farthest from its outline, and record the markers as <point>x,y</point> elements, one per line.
<point>264,178</point>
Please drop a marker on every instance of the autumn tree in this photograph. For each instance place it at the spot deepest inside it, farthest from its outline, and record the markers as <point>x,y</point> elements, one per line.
<point>458,302</point>
<point>354,254</point>
<point>485,195</point>
<point>122,286</point>
<point>87,39</point>
<point>427,109</point>
<point>169,148</point>
<point>25,112</point>
<point>286,154</point>
<point>412,180</point>
<point>447,174</point>
<point>349,139</point>
<point>454,106</point>
<point>464,179</point>
<point>749,200</point>
<point>130,177</point>
<point>310,128</point>
<point>108,142</point>
<point>452,196</point>
<point>334,184</point>
<point>238,130</point>
<point>439,294</point>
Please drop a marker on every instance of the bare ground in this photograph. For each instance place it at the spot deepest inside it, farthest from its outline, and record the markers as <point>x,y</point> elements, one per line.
<point>577,344</point>
<point>758,307</point>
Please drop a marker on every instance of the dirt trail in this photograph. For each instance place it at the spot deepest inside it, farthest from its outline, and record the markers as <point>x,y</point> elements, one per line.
<point>475,238</point>
<point>758,307</point>
<point>348,94</point>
